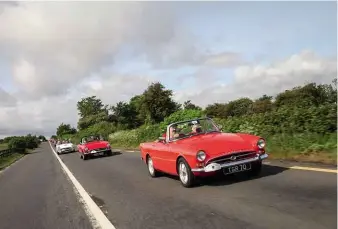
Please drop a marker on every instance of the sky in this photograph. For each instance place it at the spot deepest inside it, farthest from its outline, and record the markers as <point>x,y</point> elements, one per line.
<point>52,54</point>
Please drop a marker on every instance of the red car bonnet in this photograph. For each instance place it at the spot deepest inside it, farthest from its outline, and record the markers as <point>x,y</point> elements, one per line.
<point>96,144</point>
<point>214,143</point>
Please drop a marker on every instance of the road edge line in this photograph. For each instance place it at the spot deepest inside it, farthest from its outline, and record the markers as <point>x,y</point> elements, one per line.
<point>313,169</point>
<point>96,213</point>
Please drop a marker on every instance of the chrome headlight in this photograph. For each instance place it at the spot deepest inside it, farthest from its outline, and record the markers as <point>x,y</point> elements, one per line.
<point>200,156</point>
<point>261,143</point>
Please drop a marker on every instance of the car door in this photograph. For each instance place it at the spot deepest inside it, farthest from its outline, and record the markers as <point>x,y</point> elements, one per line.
<point>159,154</point>
<point>168,158</point>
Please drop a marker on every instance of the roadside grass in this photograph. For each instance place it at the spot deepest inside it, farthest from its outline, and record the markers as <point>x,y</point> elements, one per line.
<point>13,157</point>
<point>3,146</point>
<point>317,157</point>
<point>10,159</point>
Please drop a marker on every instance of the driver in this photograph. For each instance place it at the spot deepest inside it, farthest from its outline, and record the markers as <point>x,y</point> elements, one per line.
<point>172,132</point>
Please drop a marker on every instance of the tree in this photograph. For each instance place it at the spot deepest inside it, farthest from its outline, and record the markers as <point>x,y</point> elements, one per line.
<point>43,138</point>
<point>157,103</point>
<point>187,105</point>
<point>91,120</point>
<point>65,129</point>
<point>92,111</point>
<point>216,110</point>
<point>126,114</point>
<point>308,95</point>
<point>239,107</point>
<point>90,106</point>
<point>262,104</point>
<point>53,137</point>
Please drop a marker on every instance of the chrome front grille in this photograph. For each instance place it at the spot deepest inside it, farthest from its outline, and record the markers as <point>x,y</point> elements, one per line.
<point>233,157</point>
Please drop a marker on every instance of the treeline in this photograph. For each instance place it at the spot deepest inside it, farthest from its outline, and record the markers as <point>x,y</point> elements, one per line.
<point>308,110</point>
<point>21,143</point>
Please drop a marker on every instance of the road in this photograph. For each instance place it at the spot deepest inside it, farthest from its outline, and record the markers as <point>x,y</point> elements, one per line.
<point>35,193</point>
<point>120,185</point>
<point>279,199</point>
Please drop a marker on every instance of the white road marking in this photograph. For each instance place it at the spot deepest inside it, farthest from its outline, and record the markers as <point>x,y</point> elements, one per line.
<point>96,216</point>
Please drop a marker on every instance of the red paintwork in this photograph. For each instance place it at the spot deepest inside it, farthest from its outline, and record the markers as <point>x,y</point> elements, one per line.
<point>91,146</point>
<point>165,155</point>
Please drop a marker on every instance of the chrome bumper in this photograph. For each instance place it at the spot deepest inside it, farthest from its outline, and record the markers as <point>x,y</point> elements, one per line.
<point>98,151</point>
<point>215,166</point>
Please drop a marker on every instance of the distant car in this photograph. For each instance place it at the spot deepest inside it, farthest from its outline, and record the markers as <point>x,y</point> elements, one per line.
<point>93,146</point>
<point>65,147</point>
<point>197,148</point>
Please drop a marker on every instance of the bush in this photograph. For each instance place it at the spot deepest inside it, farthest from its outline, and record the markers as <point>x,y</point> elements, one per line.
<point>17,144</point>
<point>32,142</point>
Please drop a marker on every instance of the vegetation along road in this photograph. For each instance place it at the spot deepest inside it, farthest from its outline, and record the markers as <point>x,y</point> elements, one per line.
<point>298,124</point>
<point>36,191</point>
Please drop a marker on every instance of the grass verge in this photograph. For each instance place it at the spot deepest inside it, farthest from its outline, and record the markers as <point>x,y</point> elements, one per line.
<point>10,159</point>
<point>3,146</point>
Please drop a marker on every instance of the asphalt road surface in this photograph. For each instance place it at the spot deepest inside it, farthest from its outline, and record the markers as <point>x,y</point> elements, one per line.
<point>280,198</point>
<point>34,193</point>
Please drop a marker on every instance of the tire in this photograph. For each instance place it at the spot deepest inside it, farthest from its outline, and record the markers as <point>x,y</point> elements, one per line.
<point>84,157</point>
<point>152,171</point>
<point>256,168</point>
<point>109,153</point>
<point>186,177</point>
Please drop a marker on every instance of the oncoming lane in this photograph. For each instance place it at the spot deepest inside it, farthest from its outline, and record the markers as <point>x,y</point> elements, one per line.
<point>280,198</point>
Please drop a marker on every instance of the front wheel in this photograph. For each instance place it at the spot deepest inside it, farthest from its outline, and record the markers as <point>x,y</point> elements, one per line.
<point>186,176</point>
<point>109,153</point>
<point>152,171</point>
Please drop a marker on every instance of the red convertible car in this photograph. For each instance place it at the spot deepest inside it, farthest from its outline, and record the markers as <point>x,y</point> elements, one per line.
<point>93,146</point>
<point>198,148</point>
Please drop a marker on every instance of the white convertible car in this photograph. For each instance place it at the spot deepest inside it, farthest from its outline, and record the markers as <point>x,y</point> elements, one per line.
<point>65,148</point>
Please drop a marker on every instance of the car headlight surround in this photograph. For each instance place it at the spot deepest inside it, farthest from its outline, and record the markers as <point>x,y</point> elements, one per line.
<point>200,156</point>
<point>261,143</point>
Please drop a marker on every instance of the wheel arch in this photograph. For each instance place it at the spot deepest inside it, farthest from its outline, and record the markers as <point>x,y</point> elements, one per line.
<point>146,157</point>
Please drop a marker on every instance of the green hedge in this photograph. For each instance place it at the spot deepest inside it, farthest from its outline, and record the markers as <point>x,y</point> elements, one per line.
<point>21,143</point>
<point>287,130</point>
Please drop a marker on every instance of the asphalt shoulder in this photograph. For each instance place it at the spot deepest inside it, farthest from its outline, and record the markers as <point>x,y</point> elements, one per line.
<point>35,193</point>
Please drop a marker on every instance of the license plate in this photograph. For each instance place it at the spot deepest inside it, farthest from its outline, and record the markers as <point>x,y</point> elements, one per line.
<point>237,168</point>
<point>98,153</point>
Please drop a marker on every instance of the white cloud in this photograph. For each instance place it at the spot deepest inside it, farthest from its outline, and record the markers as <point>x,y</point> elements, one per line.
<point>255,80</point>
<point>57,52</point>
<point>63,42</point>
<point>6,100</point>
<point>224,59</point>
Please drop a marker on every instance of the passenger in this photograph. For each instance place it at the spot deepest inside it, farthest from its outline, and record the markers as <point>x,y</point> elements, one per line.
<point>196,128</point>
